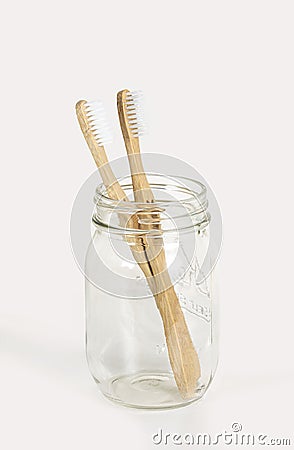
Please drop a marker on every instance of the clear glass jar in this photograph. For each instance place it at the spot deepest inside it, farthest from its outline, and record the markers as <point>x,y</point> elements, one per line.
<point>125,340</point>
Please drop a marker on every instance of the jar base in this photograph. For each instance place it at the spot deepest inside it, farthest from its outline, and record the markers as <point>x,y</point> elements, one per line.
<point>147,390</point>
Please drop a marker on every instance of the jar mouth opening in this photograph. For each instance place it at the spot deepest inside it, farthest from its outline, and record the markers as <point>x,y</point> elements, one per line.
<point>181,203</point>
<point>187,189</point>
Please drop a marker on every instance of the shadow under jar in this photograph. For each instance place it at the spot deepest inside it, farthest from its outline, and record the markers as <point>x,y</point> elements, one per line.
<point>125,340</point>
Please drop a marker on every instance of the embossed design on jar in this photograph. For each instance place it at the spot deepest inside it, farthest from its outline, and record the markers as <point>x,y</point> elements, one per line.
<point>194,308</point>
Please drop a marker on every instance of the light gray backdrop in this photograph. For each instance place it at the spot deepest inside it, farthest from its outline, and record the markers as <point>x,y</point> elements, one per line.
<point>218,81</point>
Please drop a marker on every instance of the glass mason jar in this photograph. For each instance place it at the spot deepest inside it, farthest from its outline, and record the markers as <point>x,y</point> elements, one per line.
<point>126,344</point>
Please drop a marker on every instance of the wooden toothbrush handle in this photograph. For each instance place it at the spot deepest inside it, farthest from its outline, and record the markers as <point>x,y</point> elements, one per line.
<point>182,355</point>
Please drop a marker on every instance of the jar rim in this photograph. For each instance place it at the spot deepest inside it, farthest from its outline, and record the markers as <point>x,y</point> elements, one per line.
<point>101,196</point>
<point>184,212</point>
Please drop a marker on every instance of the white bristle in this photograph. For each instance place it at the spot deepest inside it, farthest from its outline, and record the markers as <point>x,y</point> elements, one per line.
<point>135,113</point>
<point>98,122</point>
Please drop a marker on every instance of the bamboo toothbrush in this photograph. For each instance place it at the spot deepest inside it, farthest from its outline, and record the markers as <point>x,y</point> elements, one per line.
<point>182,354</point>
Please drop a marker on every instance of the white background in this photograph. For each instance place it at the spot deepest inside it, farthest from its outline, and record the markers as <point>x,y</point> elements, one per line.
<point>218,78</point>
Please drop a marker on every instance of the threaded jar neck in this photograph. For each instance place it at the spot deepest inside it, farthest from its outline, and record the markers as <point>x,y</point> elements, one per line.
<point>180,202</point>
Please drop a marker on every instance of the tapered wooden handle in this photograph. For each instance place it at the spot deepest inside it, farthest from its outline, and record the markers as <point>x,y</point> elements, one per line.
<point>182,355</point>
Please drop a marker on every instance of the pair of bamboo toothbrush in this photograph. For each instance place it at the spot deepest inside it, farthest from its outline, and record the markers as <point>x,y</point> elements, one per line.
<point>149,255</point>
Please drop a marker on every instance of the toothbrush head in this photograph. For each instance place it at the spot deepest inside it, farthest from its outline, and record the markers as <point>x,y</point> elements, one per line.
<point>133,101</point>
<point>96,121</point>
